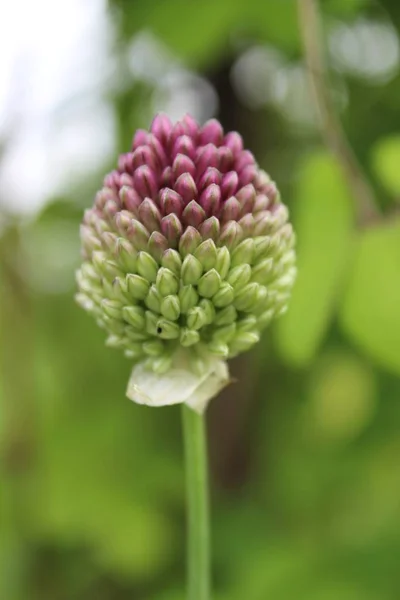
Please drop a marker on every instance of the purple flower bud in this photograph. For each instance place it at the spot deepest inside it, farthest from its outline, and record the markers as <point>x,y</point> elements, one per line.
<point>210,228</point>
<point>229,185</point>
<point>225,159</point>
<point>210,176</point>
<point>150,215</point>
<point>184,145</point>
<point>210,199</point>
<point>183,164</point>
<point>130,199</point>
<point>186,235</point>
<point>140,138</point>
<point>171,202</point>
<point>234,142</point>
<point>186,187</point>
<point>206,156</point>
<point>193,214</point>
<point>189,241</point>
<point>191,127</point>
<point>145,182</point>
<point>157,245</point>
<point>247,175</point>
<point>161,127</point>
<point>230,210</point>
<point>141,156</point>
<point>171,227</point>
<point>211,132</point>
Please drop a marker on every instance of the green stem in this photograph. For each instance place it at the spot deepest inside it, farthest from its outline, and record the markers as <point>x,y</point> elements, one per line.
<point>198,537</point>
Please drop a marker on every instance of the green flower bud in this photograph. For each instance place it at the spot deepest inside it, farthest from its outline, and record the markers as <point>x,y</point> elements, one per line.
<point>189,337</point>
<point>153,348</point>
<point>112,308</point>
<point>262,248</point>
<point>134,315</point>
<point>138,287</point>
<point>154,299</point>
<point>191,270</point>
<point>243,253</point>
<point>238,277</point>
<point>223,262</point>
<point>167,330</point>
<point>206,253</point>
<point>171,260</point>
<point>189,241</point>
<point>247,324</point>
<point>209,284</point>
<point>196,318</point>
<point>262,271</point>
<point>151,322</point>
<point>219,349</point>
<point>224,334</point>
<point>209,311</point>
<point>226,315</point>
<point>224,296</point>
<point>167,282</point>
<point>246,298</point>
<point>170,308</point>
<point>243,341</point>
<point>188,298</point>
<point>126,255</point>
<point>147,266</point>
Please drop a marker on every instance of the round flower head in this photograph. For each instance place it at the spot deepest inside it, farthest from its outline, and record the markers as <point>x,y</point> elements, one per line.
<point>188,255</point>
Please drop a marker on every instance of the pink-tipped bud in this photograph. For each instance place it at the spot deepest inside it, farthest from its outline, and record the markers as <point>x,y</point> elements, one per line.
<point>191,127</point>
<point>171,227</point>
<point>145,182</point>
<point>130,199</point>
<point>183,164</point>
<point>211,175</point>
<point>150,215</point>
<point>161,127</point>
<point>186,187</point>
<point>210,228</point>
<point>247,197</point>
<point>247,175</point>
<point>230,210</point>
<point>234,142</point>
<point>171,202</point>
<point>225,159</point>
<point>193,214</point>
<point>229,185</point>
<point>184,145</point>
<point>143,155</point>
<point>210,199</point>
<point>140,138</point>
<point>206,156</point>
<point>211,133</point>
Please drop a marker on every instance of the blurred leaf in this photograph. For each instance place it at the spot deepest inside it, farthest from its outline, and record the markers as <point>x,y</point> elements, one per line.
<point>386,163</point>
<point>341,397</point>
<point>322,221</point>
<point>370,312</point>
<point>196,31</point>
<point>344,8</point>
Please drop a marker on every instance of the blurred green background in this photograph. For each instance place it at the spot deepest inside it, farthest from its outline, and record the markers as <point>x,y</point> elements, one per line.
<point>305,447</point>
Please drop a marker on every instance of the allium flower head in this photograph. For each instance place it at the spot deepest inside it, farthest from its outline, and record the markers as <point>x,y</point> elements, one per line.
<point>188,255</point>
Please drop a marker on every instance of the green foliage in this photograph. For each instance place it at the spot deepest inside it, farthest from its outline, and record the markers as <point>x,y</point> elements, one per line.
<point>385,162</point>
<point>322,221</point>
<point>370,312</point>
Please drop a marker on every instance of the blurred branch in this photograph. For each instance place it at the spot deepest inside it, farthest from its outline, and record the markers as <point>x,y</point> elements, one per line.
<point>330,125</point>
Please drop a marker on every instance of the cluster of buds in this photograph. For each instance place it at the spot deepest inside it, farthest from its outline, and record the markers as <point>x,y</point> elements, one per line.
<point>187,246</point>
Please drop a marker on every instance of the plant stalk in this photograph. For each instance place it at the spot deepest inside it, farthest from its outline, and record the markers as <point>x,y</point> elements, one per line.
<point>198,527</point>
